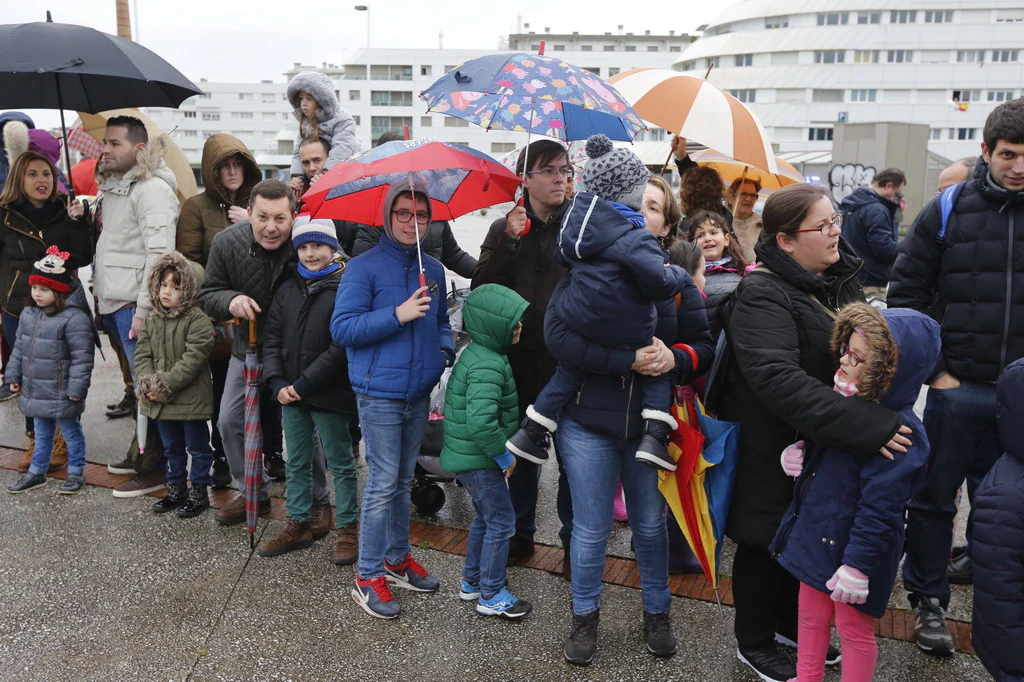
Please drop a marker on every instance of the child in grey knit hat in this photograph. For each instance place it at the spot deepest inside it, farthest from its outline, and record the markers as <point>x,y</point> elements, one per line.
<point>617,273</point>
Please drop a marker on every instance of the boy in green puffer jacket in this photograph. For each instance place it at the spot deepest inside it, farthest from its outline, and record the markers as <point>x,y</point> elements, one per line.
<point>481,410</point>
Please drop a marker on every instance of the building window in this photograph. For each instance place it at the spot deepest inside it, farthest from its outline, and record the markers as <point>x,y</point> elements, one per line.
<point>390,98</point>
<point>938,16</point>
<point>211,115</point>
<point>776,22</point>
<point>829,56</point>
<point>609,48</point>
<point>426,70</point>
<point>935,134</point>
<point>865,56</point>
<point>630,48</point>
<point>452,122</point>
<point>242,115</point>
<point>970,56</point>
<point>785,58</point>
<point>596,70</point>
<point>870,95</point>
<point>659,134</point>
<point>993,96</point>
<point>206,95</point>
<point>267,98</point>
<point>966,133</point>
<point>711,63</point>
<point>819,134</point>
<point>746,96</point>
<point>689,66</point>
<point>583,48</point>
<point>1009,15</point>
<point>190,133</point>
<point>1005,55</point>
<point>452,67</point>
<point>869,17</point>
<point>613,71</point>
<point>675,48</point>
<point>744,59</point>
<point>967,95</point>
<point>357,120</point>
<point>653,48</point>
<point>384,124</point>
<point>189,114</point>
<point>426,121</point>
<point>502,147</point>
<point>354,95</point>
<point>285,116</point>
<point>833,19</point>
<point>559,48</point>
<point>903,16</point>
<point>826,95</point>
<point>901,56</point>
<point>245,96</point>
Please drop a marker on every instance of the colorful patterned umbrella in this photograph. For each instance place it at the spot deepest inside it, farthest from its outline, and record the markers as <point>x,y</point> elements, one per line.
<point>697,110</point>
<point>533,93</point>
<point>252,373</point>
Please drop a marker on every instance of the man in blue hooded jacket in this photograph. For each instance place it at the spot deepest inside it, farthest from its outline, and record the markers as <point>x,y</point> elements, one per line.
<point>870,227</point>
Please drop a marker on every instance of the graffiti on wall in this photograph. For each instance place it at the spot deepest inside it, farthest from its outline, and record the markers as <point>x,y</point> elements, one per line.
<point>844,179</point>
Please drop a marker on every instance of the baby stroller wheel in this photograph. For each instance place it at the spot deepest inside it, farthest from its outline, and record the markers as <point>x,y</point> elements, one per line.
<point>428,498</point>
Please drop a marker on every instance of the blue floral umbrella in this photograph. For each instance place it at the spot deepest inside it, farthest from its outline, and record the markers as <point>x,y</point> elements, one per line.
<point>533,93</point>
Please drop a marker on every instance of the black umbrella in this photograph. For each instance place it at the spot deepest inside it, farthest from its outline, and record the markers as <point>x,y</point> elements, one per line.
<point>45,65</point>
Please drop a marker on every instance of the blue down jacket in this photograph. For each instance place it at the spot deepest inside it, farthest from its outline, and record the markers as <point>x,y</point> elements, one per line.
<point>848,509</point>
<point>387,359</point>
<point>616,273</point>
<point>53,358</point>
<point>870,227</point>
<point>999,541</point>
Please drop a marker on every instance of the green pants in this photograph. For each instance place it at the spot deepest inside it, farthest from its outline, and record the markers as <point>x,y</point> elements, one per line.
<point>298,423</point>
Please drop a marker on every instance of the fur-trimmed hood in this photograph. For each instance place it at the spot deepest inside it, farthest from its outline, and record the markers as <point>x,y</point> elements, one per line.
<point>883,355</point>
<point>191,275</point>
<point>149,163</point>
<point>320,87</point>
<point>218,148</point>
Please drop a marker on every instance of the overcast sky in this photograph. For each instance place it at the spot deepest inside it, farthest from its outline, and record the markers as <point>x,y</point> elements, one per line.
<point>244,41</point>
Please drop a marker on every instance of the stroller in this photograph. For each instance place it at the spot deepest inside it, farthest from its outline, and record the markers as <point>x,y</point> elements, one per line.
<point>427,494</point>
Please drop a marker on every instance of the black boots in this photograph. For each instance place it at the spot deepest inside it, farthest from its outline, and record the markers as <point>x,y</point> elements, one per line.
<point>581,645</point>
<point>533,438</point>
<point>175,496</point>
<point>653,449</point>
<point>197,502</point>
<point>220,472</point>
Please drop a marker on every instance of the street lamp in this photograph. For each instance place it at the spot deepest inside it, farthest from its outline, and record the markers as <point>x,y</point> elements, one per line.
<point>365,8</point>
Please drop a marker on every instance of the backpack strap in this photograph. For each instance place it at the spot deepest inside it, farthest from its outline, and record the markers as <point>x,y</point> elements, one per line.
<point>946,203</point>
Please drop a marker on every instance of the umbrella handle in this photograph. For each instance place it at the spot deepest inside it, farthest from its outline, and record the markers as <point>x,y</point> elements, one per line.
<point>423,281</point>
<point>252,333</point>
<point>526,230</point>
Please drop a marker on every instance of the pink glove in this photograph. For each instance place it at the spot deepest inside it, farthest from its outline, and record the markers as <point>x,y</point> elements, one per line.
<point>848,585</point>
<point>793,459</point>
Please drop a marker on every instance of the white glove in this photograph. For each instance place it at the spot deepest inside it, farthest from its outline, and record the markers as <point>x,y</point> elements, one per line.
<point>793,459</point>
<point>848,585</point>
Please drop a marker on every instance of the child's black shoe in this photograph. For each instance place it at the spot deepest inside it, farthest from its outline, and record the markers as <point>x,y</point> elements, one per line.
<point>174,498</point>
<point>653,449</point>
<point>72,484</point>
<point>27,482</point>
<point>533,439</point>
<point>197,502</point>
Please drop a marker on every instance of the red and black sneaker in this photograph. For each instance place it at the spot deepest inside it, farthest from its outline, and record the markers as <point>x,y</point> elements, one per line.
<point>374,595</point>
<point>409,575</point>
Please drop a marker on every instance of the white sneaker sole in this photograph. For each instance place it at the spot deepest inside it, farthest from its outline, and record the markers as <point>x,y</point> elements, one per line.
<point>468,596</point>
<point>125,494</point>
<point>525,455</point>
<point>786,641</point>
<point>25,490</point>
<point>485,611</point>
<point>397,581</point>
<point>111,469</point>
<point>648,458</point>
<point>357,597</point>
<point>760,675</point>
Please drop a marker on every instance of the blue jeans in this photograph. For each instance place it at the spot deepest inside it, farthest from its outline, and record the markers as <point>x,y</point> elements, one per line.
<point>961,427</point>
<point>393,432</point>
<point>594,464</point>
<point>120,322</point>
<point>10,327</point>
<point>655,392</point>
<point>193,436</point>
<point>71,429</point>
<point>492,527</point>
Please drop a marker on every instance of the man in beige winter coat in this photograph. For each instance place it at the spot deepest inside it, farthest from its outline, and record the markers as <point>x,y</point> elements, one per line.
<point>137,214</point>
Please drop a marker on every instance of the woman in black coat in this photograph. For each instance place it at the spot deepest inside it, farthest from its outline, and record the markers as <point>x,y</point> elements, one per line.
<point>778,385</point>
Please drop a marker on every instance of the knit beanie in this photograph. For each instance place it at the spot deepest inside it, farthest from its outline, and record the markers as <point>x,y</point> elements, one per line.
<point>318,231</point>
<point>614,174</point>
<point>50,272</point>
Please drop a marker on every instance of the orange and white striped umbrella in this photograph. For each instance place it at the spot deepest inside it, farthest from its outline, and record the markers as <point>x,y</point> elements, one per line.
<point>695,109</point>
<point>731,169</point>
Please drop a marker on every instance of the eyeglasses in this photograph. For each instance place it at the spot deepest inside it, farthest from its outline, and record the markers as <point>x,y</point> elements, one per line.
<point>405,217</point>
<point>826,227</point>
<point>844,349</point>
<point>550,173</point>
<point>748,195</point>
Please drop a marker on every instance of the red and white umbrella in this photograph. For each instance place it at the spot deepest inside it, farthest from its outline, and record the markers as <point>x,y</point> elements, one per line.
<point>697,110</point>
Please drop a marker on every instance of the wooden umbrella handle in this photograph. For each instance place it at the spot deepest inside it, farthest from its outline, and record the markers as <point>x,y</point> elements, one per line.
<point>252,333</point>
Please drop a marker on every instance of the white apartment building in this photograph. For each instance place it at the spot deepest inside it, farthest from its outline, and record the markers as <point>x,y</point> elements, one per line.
<point>806,66</point>
<point>380,88</point>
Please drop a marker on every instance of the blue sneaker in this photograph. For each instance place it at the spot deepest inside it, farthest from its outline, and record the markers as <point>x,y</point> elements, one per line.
<point>375,597</point>
<point>469,591</point>
<point>504,604</point>
<point>409,575</point>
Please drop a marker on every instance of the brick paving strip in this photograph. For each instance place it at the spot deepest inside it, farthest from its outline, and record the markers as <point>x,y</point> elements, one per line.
<point>894,624</point>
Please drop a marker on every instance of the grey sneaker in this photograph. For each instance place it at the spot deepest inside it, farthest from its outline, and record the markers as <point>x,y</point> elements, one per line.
<point>409,575</point>
<point>930,631</point>
<point>27,482</point>
<point>72,484</point>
